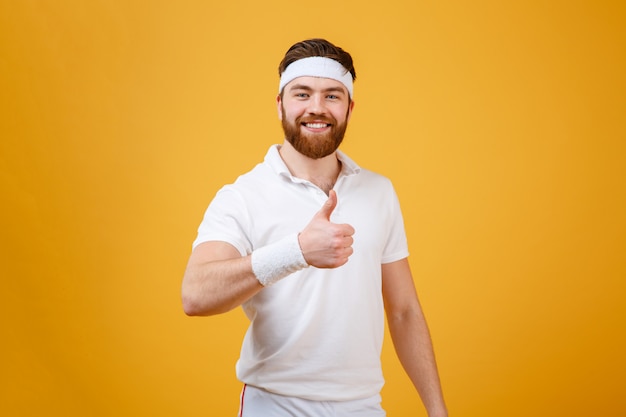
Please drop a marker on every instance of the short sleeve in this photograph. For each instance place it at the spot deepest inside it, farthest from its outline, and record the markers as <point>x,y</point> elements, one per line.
<point>396,247</point>
<point>226,220</point>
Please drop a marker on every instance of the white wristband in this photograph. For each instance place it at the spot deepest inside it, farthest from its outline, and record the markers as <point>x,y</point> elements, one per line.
<point>274,262</point>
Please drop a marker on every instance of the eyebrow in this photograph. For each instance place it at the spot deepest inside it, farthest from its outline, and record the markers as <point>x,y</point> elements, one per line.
<point>326,90</point>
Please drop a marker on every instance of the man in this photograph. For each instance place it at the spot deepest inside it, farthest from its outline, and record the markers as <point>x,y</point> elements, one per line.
<point>313,247</point>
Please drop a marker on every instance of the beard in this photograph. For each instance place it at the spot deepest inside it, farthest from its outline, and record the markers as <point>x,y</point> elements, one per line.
<point>316,145</point>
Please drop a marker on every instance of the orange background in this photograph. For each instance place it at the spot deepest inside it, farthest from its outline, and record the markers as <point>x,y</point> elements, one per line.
<point>501,124</point>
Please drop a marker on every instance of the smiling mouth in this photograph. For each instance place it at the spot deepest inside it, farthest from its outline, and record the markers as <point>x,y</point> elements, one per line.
<point>316,125</point>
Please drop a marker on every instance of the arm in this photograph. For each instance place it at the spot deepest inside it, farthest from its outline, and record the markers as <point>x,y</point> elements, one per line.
<point>218,278</point>
<point>410,335</point>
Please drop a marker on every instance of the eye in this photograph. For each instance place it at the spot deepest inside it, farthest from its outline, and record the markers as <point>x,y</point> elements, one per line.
<point>332,97</point>
<point>301,95</point>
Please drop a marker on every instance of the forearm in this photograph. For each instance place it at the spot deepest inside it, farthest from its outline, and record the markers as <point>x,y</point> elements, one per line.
<point>414,348</point>
<point>216,287</point>
<point>219,279</point>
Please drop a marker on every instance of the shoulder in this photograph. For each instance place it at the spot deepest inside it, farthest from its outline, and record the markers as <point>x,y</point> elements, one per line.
<point>264,173</point>
<point>372,181</point>
<point>359,175</point>
<point>374,176</point>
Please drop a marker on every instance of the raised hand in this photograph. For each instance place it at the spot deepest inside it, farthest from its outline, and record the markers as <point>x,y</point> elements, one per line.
<point>326,244</point>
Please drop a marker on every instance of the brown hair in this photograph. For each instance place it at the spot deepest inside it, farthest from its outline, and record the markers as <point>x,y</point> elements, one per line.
<point>317,47</point>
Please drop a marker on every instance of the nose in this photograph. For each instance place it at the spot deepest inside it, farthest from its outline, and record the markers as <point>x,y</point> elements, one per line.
<point>317,104</point>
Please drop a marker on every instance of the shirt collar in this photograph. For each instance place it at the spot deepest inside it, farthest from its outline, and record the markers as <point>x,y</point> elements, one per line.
<point>273,159</point>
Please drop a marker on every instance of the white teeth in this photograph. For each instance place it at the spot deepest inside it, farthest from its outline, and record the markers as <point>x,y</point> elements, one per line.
<point>316,125</point>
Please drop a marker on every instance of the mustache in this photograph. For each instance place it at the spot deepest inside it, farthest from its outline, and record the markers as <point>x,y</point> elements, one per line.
<point>322,119</point>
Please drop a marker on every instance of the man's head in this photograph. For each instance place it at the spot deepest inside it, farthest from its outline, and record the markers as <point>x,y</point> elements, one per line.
<point>317,48</point>
<point>315,96</point>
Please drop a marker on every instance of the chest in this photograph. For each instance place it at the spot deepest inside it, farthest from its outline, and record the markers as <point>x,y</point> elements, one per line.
<point>367,211</point>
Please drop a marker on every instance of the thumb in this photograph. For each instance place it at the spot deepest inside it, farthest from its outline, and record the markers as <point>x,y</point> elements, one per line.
<point>329,205</point>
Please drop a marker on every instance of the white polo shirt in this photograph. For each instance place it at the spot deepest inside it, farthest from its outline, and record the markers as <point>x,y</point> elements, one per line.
<point>316,334</point>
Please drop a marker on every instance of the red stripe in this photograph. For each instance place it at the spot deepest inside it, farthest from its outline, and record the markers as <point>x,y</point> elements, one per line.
<point>243,393</point>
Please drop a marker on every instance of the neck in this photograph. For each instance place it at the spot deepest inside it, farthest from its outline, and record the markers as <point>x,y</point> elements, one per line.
<point>322,172</point>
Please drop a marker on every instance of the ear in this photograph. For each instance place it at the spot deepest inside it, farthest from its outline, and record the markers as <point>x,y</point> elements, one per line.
<point>350,107</point>
<point>279,107</point>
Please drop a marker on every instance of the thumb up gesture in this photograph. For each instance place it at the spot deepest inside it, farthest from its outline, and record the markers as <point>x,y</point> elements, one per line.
<point>325,244</point>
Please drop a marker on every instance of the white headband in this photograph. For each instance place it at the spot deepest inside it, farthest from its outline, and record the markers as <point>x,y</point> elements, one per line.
<point>316,66</point>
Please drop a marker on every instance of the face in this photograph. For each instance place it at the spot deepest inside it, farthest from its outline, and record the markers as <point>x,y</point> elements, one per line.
<point>314,113</point>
